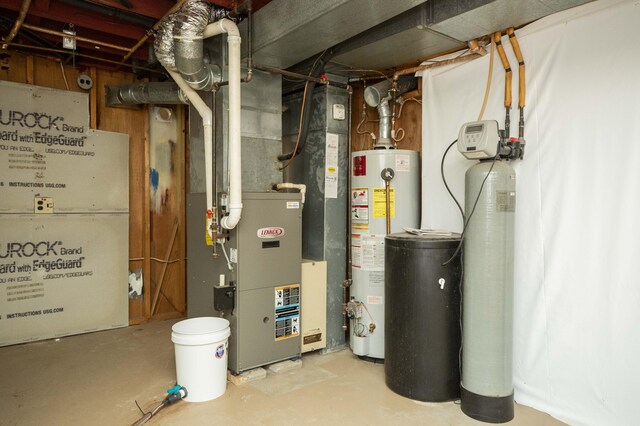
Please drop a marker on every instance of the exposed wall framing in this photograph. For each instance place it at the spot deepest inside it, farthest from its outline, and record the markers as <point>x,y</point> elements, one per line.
<point>150,231</point>
<point>410,121</point>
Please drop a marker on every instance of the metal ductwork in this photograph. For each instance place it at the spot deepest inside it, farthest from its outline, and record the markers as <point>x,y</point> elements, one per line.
<point>179,43</point>
<point>179,48</point>
<point>189,24</point>
<point>290,31</point>
<point>379,96</point>
<point>145,93</point>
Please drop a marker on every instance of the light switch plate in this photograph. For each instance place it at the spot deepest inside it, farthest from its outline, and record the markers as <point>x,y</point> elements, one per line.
<point>43,205</point>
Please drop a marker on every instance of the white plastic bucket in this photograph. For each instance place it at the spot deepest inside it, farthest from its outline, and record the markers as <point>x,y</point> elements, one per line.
<point>201,356</point>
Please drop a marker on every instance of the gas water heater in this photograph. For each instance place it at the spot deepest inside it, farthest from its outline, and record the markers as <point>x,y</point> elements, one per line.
<point>487,303</point>
<point>372,171</point>
<point>385,197</point>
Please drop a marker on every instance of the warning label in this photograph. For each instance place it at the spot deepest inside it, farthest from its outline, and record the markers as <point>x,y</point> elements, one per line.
<point>360,214</point>
<point>373,252</point>
<point>403,163</point>
<point>505,201</point>
<point>359,197</point>
<point>287,312</point>
<point>356,250</point>
<point>380,203</point>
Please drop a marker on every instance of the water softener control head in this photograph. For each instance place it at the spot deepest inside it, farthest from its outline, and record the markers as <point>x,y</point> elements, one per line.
<point>478,140</point>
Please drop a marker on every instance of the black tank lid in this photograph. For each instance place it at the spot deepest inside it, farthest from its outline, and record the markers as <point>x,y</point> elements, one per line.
<point>427,241</point>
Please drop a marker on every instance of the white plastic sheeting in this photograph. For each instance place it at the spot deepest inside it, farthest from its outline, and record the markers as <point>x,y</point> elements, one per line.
<point>577,284</point>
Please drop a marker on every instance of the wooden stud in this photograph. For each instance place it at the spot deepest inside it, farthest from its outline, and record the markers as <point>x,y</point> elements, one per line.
<point>182,137</point>
<point>30,78</point>
<point>165,265</point>
<point>93,98</point>
<point>147,220</point>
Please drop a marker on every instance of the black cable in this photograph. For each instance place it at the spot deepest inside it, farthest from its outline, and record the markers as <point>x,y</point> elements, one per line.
<point>445,180</point>
<point>305,112</point>
<point>493,163</point>
<point>138,405</point>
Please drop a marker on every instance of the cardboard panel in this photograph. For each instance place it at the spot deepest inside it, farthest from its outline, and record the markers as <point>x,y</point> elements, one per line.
<point>62,275</point>
<point>47,150</point>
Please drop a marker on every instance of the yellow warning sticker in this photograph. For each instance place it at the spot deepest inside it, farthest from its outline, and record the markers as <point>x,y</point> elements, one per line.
<point>359,227</point>
<point>206,232</point>
<point>380,203</point>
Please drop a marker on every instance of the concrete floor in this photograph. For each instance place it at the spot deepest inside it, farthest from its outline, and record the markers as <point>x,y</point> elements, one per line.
<point>95,378</point>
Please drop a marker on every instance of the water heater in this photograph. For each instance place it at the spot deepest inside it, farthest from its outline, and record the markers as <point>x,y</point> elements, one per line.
<point>368,200</point>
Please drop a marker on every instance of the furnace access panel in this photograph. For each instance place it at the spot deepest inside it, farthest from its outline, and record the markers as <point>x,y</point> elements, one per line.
<point>261,296</point>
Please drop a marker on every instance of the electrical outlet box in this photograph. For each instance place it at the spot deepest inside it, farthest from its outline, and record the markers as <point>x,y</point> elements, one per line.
<point>70,41</point>
<point>43,205</point>
<point>339,112</point>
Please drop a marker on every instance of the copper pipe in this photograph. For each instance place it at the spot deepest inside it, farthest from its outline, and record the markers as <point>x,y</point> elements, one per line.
<point>61,34</point>
<point>16,26</point>
<point>508,78</point>
<point>413,94</point>
<point>507,69</point>
<point>414,70</point>
<point>521,75</point>
<point>81,55</point>
<point>299,76</point>
<point>144,39</point>
<point>290,74</point>
<point>387,190</point>
<point>521,80</point>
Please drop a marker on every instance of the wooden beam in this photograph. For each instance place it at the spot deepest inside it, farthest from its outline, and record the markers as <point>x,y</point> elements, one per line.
<point>182,137</point>
<point>147,222</point>
<point>153,8</point>
<point>83,20</point>
<point>93,99</point>
<point>30,77</point>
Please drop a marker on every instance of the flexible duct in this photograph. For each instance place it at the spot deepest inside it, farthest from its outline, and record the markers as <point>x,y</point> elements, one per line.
<point>384,111</point>
<point>188,46</point>
<point>179,43</point>
<point>163,44</point>
<point>145,93</point>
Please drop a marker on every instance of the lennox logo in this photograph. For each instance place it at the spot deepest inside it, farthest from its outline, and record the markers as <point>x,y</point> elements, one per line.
<point>271,232</point>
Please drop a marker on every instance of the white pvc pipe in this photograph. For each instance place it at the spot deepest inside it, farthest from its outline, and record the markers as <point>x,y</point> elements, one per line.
<point>235,148</point>
<point>235,151</point>
<point>207,122</point>
<point>299,186</point>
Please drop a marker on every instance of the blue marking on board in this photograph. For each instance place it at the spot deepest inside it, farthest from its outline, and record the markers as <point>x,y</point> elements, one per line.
<point>154,177</point>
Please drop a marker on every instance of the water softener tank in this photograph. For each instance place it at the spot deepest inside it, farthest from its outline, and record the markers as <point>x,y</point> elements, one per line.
<point>368,229</point>
<point>422,316</point>
<point>487,378</point>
